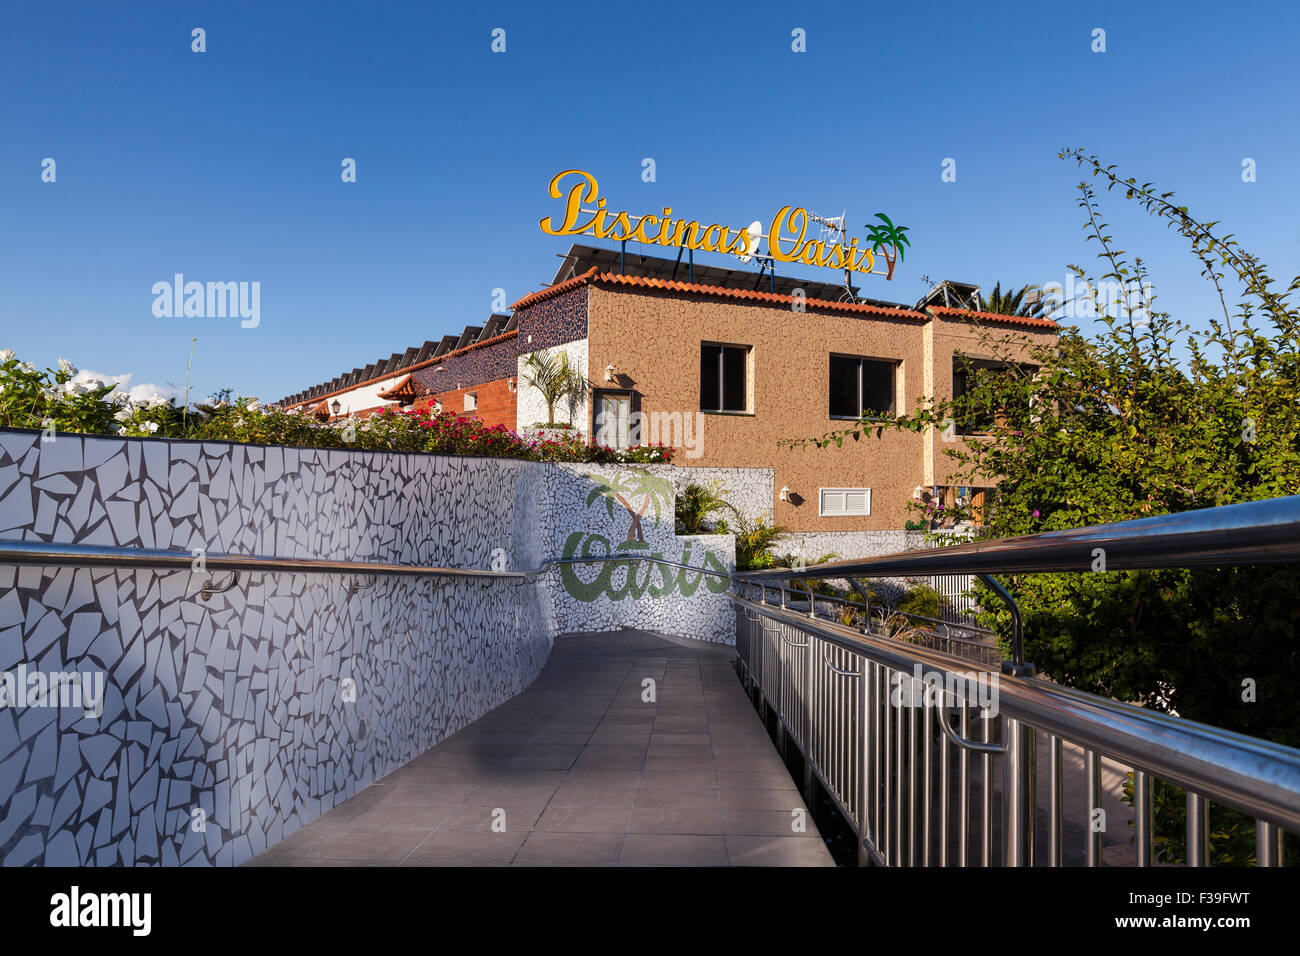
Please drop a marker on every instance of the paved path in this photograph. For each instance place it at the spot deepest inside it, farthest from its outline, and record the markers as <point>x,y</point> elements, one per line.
<point>584,772</point>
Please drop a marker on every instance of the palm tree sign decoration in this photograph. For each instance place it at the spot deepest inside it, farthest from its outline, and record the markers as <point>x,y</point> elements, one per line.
<point>888,239</point>
<point>624,486</point>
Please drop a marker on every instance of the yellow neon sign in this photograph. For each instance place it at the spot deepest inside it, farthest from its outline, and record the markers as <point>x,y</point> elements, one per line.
<point>583,199</point>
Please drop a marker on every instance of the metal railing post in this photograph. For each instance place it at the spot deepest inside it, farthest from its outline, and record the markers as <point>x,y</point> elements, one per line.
<point>1019,806</point>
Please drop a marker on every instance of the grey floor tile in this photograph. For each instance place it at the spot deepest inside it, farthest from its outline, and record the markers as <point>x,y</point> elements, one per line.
<point>662,849</point>
<point>696,820</point>
<point>371,844</point>
<point>592,795</point>
<point>471,846</point>
<point>675,797</point>
<point>599,819</point>
<point>767,822</point>
<point>572,847</point>
<point>746,850</point>
<point>487,818</point>
<point>587,774</point>
<point>786,800</point>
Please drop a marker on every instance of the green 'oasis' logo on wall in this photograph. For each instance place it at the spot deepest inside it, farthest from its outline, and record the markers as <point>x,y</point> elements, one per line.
<point>639,576</point>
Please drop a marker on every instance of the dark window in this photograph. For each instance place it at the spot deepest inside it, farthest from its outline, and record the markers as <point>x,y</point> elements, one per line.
<point>723,386</point>
<point>861,387</point>
<point>968,376</point>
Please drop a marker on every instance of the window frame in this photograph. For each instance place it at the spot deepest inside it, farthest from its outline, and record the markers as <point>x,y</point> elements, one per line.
<point>620,393</point>
<point>747,355</point>
<point>959,373</point>
<point>894,366</point>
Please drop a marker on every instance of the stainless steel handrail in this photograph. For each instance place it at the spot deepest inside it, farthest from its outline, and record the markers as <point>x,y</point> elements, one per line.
<point>1256,532</point>
<point>602,558</point>
<point>91,555</point>
<point>1254,776</point>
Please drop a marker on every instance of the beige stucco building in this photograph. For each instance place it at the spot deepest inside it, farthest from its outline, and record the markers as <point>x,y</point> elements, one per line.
<point>728,374</point>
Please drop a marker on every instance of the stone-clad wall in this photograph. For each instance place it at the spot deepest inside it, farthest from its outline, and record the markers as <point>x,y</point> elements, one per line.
<point>748,490</point>
<point>227,724</point>
<point>591,519</point>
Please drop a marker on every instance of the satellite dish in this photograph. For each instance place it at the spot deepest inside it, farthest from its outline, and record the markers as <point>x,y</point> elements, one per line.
<point>755,232</point>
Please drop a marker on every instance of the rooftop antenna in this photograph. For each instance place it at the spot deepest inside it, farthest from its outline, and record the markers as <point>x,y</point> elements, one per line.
<point>833,231</point>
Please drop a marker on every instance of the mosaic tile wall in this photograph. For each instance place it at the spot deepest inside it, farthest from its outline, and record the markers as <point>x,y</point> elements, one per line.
<point>227,724</point>
<point>587,519</point>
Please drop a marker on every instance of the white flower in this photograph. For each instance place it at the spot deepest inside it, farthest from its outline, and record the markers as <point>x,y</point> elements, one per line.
<point>121,431</point>
<point>254,405</point>
<point>122,415</point>
<point>67,366</point>
<point>151,427</point>
<point>6,355</point>
<point>27,367</point>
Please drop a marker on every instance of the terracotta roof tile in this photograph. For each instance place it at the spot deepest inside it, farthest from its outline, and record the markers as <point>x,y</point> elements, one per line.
<point>408,387</point>
<point>594,276</point>
<point>436,360</point>
<point>949,312</point>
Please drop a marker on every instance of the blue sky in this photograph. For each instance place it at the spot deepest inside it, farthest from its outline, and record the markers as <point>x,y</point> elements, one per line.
<point>225,165</point>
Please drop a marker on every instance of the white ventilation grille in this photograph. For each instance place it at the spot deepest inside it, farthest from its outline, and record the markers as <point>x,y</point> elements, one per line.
<point>841,502</point>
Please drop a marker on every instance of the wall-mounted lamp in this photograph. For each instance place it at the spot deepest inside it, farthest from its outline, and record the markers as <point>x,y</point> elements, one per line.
<point>609,372</point>
<point>785,492</point>
<point>336,406</point>
<point>510,384</point>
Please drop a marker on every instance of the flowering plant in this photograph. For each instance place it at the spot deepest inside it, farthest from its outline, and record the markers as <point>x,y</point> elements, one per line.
<point>66,400</point>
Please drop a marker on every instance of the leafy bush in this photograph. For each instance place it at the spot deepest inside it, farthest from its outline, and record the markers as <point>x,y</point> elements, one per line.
<point>696,503</point>
<point>31,398</point>
<point>921,600</point>
<point>1145,414</point>
<point>809,584</point>
<point>1232,834</point>
<point>755,540</point>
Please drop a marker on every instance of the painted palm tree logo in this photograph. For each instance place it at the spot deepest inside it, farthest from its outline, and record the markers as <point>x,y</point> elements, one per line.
<point>888,239</point>
<point>627,486</point>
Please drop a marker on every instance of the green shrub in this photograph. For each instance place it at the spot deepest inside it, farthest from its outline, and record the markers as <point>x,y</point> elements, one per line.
<point>755,540</point>
<point>31,398</point>
<point>921,600</point>
<point>696,504</point>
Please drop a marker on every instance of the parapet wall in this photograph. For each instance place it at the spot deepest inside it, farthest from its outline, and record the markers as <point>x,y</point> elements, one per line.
<point>222,726</point>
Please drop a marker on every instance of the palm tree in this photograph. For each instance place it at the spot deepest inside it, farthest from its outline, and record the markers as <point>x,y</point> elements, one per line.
<point>1013,303</point>
<point>754,542</point>
<point>888,239</point>
<point>696,503</point>
<point>621,487</point>
<point>558,380</point>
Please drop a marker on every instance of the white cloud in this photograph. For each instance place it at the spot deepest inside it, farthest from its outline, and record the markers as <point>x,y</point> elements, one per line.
<point>137,393</point>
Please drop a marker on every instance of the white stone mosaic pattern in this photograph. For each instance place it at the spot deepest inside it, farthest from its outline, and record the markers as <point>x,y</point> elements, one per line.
<point>225,725</point>
<point>704,616</point>
<point>749,490</point>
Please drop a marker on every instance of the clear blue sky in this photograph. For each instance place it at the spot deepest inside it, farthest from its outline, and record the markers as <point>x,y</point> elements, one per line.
<point>225,165</point>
